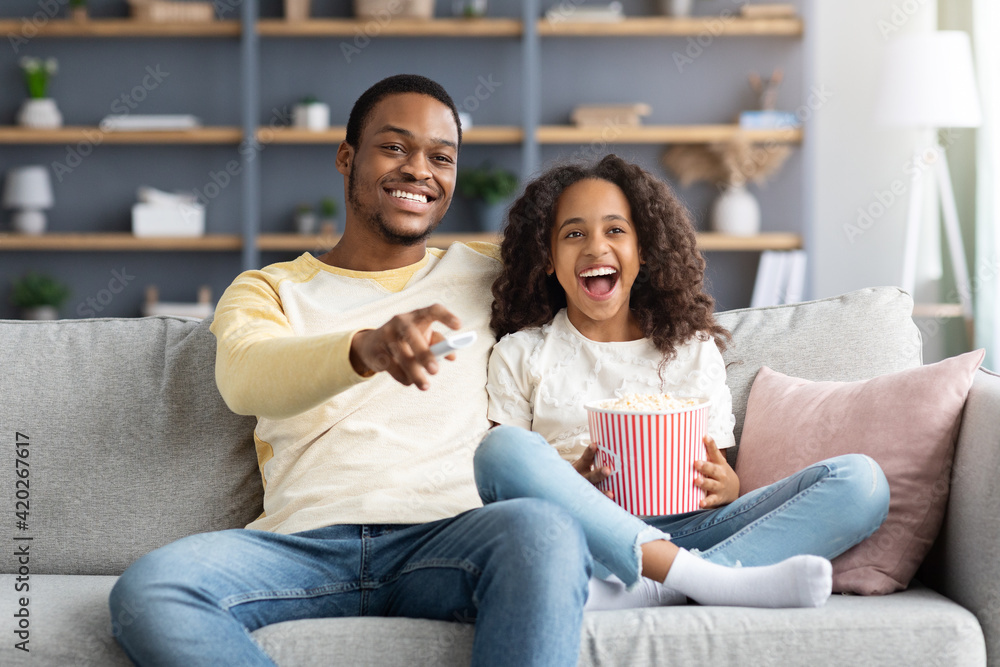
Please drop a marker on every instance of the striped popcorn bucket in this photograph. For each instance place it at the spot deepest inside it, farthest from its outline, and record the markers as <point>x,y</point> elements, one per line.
<point>652,457</point>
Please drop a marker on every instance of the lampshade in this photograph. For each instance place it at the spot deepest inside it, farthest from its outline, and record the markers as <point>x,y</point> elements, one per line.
<point>28,187</point>
<point>928,81</point>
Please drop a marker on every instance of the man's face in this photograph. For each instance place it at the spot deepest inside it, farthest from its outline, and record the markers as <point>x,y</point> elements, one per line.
<point>402,176</point>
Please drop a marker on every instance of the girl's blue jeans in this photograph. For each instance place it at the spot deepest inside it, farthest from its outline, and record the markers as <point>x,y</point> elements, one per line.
<point>519,569</point>
<point>824,509</point>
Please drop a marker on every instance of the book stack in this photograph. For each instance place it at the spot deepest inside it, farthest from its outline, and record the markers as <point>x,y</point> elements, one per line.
<point>781,278</point>
<point>588,115</point>
<point>138,122</point>
<point>767,11</point>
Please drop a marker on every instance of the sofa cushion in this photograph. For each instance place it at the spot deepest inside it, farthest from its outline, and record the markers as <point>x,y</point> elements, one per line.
<point>853,336</point>
<point>906,421</point>
<point>131,446</point>
<point>917,626</point>
<point>71,625</point>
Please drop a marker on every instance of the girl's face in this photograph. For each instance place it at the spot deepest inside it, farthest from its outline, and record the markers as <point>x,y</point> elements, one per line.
<point>594,252</point>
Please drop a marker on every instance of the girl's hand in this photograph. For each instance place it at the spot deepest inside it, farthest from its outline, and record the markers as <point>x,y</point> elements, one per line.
<point>717,477</point>
<point>585,466</point>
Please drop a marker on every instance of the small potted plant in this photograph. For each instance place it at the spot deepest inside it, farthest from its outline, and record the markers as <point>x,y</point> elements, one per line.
<point>311,114</point>
<point>38,296</point>
<point>305,219</point>
<point>39,110</point>
<point>328,215</point>
<point>78,10</point>
<point>488,188</point>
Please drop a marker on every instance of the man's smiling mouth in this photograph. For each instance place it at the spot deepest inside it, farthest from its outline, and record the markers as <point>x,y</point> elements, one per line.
<point>411,196</point>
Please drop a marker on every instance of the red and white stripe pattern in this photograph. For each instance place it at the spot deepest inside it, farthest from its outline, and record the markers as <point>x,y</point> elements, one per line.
<point>652,456</point>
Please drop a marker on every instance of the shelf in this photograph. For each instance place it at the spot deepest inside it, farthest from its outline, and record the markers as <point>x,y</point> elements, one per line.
<point>397,27</point>
<point>642,26</point>
<point>663,26</point>
<point>713,241</point>
<point>486,134</point>
<point>94,135</point>
<point>938,310</point>
<point>708,241</point>
<point>559,134</point>
<point>120,28</point>
<point>122,241</point>
<point>661,134</point>
<point>304,242</point>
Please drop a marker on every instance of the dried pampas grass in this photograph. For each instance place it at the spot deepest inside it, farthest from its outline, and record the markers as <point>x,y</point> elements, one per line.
<point>733,162</point>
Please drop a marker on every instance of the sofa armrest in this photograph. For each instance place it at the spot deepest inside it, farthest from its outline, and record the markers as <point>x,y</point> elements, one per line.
<point>963,564</point>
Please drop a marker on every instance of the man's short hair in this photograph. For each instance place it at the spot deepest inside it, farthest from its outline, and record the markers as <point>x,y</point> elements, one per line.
<point>394,85</point>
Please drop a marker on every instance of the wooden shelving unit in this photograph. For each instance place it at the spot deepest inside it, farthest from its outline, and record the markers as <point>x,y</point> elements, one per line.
<point>95,135</point>
<point>527,133</point>
<point>122,28</point>
<point>485,134</point>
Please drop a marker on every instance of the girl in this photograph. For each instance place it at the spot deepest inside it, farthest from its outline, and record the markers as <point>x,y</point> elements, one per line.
<point>601,295</point>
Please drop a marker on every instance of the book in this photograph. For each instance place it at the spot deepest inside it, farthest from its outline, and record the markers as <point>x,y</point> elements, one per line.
<point>768,120</point>
<point>146,122</point>
<point>609,12</point>
<point>781,278</point>
<point>617,114</point>
<point>770,11</point>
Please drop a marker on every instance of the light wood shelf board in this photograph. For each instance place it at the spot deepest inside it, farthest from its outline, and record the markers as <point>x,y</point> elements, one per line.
<point>121,241</point>
<point>397,27</point>
<point>664,26</point>
<point>118,28</point>
<point>661,134</point>
<point>938,310</point>
<point>96,136</point>
<point>713,241</point>
<point>485,134</point>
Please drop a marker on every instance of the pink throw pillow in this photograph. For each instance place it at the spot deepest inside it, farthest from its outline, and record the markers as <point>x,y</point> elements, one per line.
<point>907,421</point>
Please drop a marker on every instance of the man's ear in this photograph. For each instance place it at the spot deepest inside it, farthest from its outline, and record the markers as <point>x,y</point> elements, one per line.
<point>345,158</point>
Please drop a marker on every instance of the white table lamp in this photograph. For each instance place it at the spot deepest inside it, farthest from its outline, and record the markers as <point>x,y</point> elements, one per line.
<point>28,190</point>
<point>928,82</point>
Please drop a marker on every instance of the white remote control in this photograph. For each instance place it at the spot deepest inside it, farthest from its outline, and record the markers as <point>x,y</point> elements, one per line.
<point>454,342</point>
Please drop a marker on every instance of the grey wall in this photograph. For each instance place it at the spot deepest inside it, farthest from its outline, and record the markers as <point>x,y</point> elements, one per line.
<point>203,78</point>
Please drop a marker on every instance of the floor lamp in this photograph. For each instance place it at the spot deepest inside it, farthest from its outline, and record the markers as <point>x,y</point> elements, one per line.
<point>928,82</point>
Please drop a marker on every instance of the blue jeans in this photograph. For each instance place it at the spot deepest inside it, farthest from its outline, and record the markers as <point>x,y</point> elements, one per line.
<point>519,569</point>
<point>824,509</point>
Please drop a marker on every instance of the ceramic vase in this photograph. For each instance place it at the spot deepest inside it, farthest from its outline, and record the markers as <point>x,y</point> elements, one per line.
<point>40,313</point>
<point>297,10</point>
<point>314,117</point>
<point>489,217</point>
<point>676,7</point>
<point>39,112</point>
<point>736,211</point>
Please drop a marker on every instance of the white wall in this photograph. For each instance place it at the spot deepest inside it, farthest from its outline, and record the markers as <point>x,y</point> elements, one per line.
<point>855,162</point>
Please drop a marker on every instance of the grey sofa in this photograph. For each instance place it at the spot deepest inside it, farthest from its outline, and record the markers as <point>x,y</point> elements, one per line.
<point>130,447</point>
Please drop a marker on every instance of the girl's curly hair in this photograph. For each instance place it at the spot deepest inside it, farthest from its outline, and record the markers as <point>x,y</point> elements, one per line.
<point>667,297</point>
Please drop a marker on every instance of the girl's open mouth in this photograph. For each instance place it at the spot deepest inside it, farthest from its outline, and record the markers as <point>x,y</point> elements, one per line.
<point>598,282</point>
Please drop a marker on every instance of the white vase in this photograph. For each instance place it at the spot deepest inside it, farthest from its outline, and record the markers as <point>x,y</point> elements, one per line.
<point>297,10</point>
<point>736,211</point>
<point>676,7</point>
<point>40,112</point>
<point>29,221</point>
<point>305,223</point>
<point>314,117</point>
<point>40,313</point>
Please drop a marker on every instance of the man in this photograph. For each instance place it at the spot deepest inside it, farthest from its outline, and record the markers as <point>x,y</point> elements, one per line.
<point>364,439</point>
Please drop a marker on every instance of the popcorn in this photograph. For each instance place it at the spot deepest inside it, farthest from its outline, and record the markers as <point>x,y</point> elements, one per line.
<point>647,403</point>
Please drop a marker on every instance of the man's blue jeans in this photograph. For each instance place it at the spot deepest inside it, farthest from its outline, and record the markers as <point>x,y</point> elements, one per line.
<point>519,569</point>
<point>823,510</point>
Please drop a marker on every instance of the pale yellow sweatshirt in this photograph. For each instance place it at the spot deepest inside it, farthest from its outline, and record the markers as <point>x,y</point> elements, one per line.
<point>334,447</point>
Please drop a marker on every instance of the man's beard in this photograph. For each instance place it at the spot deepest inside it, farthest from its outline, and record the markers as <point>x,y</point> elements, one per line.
<point>374,220</point>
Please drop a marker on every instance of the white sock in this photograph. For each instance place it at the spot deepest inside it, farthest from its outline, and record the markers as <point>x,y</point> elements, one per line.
<point>607,594</point>
<point>800,581</point>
